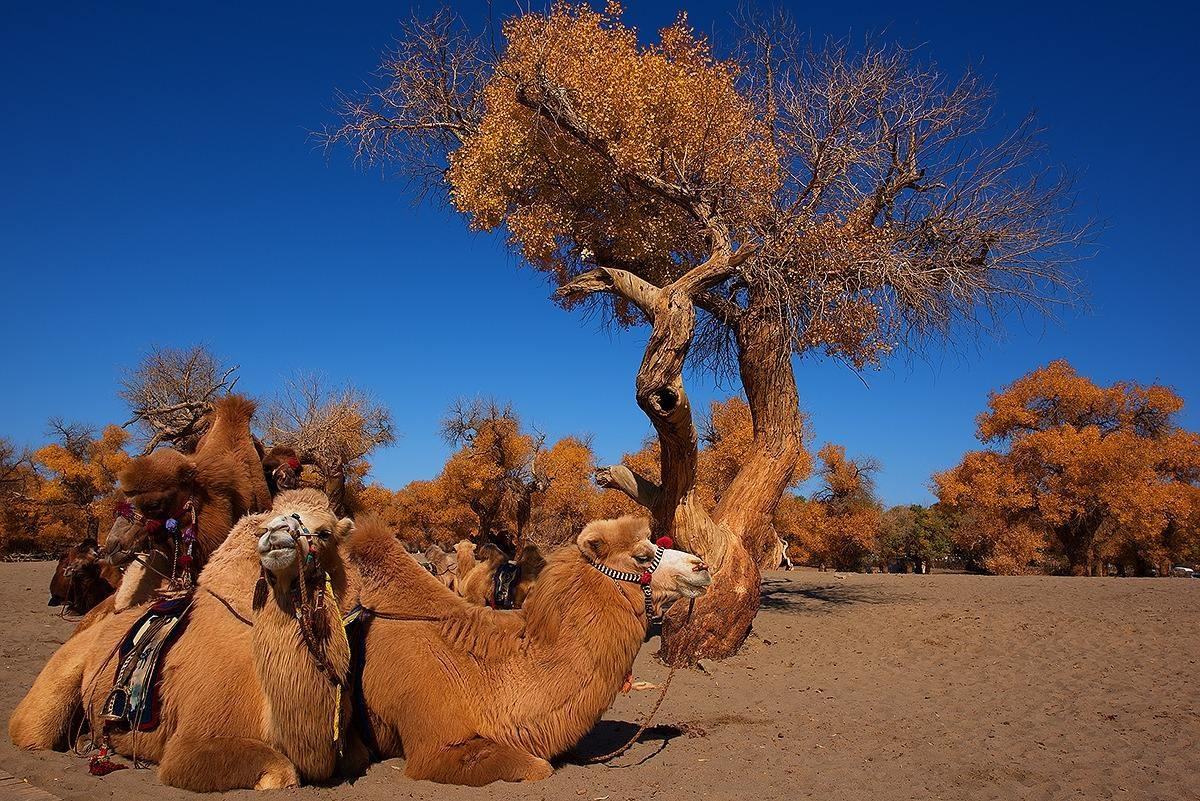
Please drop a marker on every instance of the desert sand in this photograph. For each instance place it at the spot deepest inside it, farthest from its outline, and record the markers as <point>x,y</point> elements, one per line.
<point>853,687</point>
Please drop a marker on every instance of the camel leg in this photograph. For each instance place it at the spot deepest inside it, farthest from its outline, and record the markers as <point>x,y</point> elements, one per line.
<point>213,764</point>
<point>476,762</point>
<point>43,718</point>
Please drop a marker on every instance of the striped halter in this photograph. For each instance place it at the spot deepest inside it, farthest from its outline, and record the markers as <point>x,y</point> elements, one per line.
<point>644,578</point>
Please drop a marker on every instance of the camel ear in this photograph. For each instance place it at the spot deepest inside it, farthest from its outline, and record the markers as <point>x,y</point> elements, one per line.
<point>345,527</point>
<point>593,544</point>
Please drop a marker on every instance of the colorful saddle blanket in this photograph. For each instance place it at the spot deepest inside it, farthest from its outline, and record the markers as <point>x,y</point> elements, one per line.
<point>133,701</point>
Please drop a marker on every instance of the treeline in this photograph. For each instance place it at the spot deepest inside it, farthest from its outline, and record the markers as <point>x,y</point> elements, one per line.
<point>1077,478</point>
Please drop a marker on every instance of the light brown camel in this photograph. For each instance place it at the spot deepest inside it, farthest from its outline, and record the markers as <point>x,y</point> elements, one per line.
<point>471,695</point>
<point>464,558</point>
<point>479,582</point>
<point>443,566</point>
<point>244,702</point>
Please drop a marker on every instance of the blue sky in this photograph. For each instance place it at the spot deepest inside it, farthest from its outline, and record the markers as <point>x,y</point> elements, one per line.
<point>158,185</point>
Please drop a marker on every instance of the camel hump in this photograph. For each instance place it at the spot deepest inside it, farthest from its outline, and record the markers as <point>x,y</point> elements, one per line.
<point>235,409</point>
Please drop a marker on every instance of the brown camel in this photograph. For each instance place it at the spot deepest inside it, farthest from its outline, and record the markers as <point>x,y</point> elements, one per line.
<point>246,698</point>
<point>165,490</point>
<point>281,467</point>
<point>82,580</point>
<point>471,695</point>
<point>479,582</point>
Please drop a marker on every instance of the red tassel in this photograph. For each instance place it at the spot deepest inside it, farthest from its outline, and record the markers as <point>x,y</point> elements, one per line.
<point>293,463</point>
<point>665,542</point>
<point>152,526</point>
<point>102,765</point>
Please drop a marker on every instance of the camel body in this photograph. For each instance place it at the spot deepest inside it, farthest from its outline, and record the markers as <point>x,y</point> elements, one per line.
<point>480,695</point>
<point>239,705</point>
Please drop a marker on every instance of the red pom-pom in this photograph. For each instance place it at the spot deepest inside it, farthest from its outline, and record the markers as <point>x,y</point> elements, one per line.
<point>646,577</point>
<point>185,560</point>
<point>665,542</point>
<point>293,463</point>
<point>152,526</point>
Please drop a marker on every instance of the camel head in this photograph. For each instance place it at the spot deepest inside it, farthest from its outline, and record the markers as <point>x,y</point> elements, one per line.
<point>301,539</point>
<point>156,489</point>
<point>282,468</point>
<point>623,546</point>
<point>440,563</point>
<point>79,565</point>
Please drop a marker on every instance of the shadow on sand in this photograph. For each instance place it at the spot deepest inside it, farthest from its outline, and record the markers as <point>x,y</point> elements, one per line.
<point>789,595</point>
<point>610,735</point>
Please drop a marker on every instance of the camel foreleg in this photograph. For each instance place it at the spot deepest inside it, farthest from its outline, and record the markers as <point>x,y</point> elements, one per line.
<point>476,762</point>
<point>43,718</point>
<point>204,764</point>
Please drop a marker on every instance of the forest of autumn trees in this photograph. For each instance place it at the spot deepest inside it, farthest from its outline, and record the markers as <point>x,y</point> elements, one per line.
<point>747,208</point>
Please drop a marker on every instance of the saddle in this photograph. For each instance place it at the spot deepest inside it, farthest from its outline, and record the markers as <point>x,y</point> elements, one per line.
<point>133,701</point>
<point>504,585</point>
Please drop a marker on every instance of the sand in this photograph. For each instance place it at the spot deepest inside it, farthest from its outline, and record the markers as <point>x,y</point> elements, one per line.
<point>853,687</point>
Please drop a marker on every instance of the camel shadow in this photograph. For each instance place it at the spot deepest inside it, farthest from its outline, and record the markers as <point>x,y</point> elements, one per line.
<point>609,735</point>
<point>786,595</point>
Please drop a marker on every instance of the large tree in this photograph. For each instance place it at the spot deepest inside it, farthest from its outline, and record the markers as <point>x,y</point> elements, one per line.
<point>746,209</point>
<point>1096,473</point>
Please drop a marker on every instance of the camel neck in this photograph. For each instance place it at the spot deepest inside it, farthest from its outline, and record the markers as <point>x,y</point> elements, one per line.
<point>585,630</point>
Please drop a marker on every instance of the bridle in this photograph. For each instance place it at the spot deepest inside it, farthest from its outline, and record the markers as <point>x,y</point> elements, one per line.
<point>181,578</point>
<point>309,608</point>
<point>643,579</point>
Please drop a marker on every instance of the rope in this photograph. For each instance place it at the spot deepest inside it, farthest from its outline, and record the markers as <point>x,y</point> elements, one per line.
<point>641,729</point>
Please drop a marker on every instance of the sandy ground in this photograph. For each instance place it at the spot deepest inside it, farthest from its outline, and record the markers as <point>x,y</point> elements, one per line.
<point>854,687</point>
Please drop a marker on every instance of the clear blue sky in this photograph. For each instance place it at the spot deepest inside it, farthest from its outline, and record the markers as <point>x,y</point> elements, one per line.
<point>157,185</point>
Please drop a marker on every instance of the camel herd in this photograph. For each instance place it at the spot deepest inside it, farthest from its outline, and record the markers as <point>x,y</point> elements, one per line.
<point>296,646</point>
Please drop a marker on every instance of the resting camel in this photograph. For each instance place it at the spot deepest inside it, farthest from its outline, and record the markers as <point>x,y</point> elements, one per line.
<point>82,580</point>
<point>221,482</point>
<point>478,584</point>
<point>281,467</point>
<point>244,700</point>
<point>471,695</point>
<point>443,566</point>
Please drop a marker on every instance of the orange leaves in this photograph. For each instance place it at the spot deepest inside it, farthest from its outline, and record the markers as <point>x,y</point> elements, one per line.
<point>579,117</point>
<point>1100,472</point>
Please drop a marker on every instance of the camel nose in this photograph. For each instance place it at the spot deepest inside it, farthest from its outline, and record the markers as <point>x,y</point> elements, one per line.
<point>275,541</point>
<point>54,600</point>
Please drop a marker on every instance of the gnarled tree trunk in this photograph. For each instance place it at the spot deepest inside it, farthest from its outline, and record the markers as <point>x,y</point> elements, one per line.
<point>733,539</point>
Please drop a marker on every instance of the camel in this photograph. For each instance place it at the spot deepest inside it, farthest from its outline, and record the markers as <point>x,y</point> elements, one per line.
<point>246,697</point>
<point>478,584</point>
<point>166,492</point>
<point>281,467</point>
<point>443,566</point>
<point>82,580</point>
<point>471,695</point>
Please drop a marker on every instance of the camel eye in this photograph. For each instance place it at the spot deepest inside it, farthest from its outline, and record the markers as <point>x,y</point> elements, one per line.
<point>641,557</point>
<point>324,533</point>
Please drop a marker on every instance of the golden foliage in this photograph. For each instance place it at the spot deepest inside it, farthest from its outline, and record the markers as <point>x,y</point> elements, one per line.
<point>1098,474</point>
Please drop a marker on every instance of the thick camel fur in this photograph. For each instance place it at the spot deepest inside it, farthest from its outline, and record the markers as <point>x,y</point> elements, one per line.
<point>477,695</point>
<point>241,705</point>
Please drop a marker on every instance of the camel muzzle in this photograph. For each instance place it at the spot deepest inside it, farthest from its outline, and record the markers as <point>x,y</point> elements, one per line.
<point>277,550</point>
